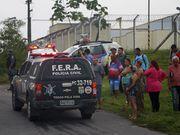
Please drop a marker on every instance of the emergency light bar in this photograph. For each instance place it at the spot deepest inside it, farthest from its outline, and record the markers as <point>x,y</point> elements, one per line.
<point>53,54</point>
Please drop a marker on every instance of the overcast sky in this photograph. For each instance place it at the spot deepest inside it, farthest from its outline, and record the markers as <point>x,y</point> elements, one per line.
<point>42,10</point>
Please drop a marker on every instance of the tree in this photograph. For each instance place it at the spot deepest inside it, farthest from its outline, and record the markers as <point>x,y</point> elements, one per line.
<point>10,34</point>
<point>69,10</point>
<point>11,38</point>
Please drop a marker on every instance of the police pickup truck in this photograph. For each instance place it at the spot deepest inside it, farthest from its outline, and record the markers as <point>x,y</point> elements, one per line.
<point>54,83</point>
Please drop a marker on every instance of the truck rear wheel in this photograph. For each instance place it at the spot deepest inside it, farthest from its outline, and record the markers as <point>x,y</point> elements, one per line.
<point>16,104</point>
<point>31,114</point>
<point>85,115</point>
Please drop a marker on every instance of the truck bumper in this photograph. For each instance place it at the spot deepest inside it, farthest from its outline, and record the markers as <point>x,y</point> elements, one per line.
<point>53,105</point>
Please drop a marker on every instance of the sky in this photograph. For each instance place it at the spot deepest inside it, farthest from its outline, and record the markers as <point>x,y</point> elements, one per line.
<point>42,10</point>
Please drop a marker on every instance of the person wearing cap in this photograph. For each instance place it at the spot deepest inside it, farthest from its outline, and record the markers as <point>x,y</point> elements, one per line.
<point>154,77</point>
<point>99,73</point>
<point>174,82</point>
<point>11,64</point>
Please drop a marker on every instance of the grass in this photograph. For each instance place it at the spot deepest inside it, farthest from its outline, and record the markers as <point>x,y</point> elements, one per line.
<point>166,120</point>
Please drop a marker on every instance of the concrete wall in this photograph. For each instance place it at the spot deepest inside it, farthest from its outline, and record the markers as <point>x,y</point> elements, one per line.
<point>66,37</point>
<point>59,26</point>
<point>142,39</point>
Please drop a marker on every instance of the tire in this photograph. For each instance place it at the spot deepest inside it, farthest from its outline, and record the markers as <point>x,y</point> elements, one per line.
<point>31,114</point>
<point>16,104</point>
<point>86,115</point>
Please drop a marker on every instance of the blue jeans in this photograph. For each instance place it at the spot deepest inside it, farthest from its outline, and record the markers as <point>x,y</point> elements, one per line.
<point>114,85</point>
<point>176,98</point>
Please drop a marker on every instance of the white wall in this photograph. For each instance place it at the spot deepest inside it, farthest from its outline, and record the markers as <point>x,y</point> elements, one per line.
<point>142,39</point>
<point>64,42</point>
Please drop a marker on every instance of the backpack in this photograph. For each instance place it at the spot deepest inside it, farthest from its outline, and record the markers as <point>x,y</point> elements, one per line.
<point>144,60</point>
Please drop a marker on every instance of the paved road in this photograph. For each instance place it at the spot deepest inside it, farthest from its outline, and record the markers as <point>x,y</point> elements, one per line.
<point>64,123</point>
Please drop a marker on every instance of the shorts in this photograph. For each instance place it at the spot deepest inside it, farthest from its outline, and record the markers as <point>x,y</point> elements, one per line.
<point>114,84</point>
<point>99,91</point>
<point>133,92</point>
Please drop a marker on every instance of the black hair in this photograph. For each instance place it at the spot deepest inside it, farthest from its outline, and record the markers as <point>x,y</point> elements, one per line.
<point>121,48</point>
<point>173,46</point>
<point>155,64</point>
<point>113,49</point>
<point>128,60</point>
<point>87,51</point>
<point>137,49</point>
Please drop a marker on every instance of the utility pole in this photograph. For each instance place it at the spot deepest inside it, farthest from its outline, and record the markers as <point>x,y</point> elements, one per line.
<point>149,36</point>
<point>28,2</point>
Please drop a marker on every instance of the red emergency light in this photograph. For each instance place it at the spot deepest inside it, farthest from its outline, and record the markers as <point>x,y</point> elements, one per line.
<point>51,45</point>
<point>32,47</point>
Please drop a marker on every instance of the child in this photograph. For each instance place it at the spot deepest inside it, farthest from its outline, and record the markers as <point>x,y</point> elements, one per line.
<point>99,73</point>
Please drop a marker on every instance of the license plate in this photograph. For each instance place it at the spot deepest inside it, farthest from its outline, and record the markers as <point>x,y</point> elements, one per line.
<point>67,102</point>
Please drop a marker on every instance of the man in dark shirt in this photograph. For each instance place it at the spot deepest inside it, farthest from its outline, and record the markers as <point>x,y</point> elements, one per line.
<point>11,64</point>
<point>121,56</point>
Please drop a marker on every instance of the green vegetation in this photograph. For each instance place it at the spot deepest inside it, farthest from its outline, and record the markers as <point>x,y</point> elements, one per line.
<point>166,120</point>
<point>68,9</point>
<point>11,38</point>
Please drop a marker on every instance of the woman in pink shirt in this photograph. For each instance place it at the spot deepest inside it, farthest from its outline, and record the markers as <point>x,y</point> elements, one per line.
<point>154,76</point>
<point>174,82</point>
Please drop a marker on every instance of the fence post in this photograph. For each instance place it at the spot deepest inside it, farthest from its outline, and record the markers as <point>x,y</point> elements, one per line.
<point>68,33</point>
<point>134,31</point>
<point>75,33</point>
<point>62,39</point>
<point>120,28</point>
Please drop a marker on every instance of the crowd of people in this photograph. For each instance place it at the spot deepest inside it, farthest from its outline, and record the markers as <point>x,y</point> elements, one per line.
<point>134,78</point>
